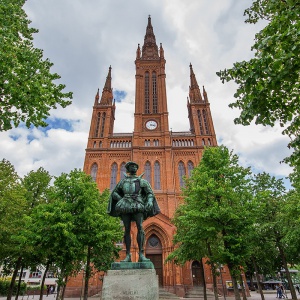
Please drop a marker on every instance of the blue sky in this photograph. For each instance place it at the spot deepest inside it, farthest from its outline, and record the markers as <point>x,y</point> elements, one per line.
<point>84,38</point>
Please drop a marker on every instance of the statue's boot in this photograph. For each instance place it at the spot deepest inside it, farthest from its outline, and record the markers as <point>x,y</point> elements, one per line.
<point>127,258</point>
<point>142,258</point>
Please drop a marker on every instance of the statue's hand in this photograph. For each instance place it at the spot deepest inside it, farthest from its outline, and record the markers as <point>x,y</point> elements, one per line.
<point>149,205</point>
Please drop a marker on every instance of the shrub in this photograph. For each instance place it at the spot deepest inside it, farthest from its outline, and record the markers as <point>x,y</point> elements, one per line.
<point>4,286</point>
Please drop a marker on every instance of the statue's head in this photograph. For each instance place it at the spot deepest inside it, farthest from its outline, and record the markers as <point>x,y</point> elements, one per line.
<point>130,163</point>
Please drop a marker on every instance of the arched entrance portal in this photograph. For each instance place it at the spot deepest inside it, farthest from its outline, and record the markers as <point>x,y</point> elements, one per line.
<point>154,253</point>
<point>197,273</point>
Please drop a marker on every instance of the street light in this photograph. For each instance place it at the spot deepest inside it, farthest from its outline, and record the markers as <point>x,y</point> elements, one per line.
<point>82,268</point>
<point>220,270</point>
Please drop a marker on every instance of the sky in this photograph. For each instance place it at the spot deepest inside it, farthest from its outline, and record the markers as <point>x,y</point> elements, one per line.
<point>82,38</point>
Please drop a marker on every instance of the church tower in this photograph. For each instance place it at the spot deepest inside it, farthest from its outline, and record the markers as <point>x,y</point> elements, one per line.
<point>165,157</point>
<point>151,112</point>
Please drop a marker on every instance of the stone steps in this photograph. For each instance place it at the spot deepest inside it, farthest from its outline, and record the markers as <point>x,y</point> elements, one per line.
<point>163,294</point>
<point>197,292</point>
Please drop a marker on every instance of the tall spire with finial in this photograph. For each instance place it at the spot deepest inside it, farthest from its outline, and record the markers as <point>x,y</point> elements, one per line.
<point>150,49</point>
<point>138,52</point>
<point>97,97</point>
<point>107,94</point>
<point>205,95</point>
<point>195,95</point>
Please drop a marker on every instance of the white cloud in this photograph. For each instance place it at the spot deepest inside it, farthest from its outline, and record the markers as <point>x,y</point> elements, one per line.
<point>83,38</point>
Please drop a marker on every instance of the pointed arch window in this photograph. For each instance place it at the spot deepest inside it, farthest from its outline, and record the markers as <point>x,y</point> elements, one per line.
<point>97,124</point>
<point>200,121</point>
<point>113,176</point>
<point>102,125</point>
<point>147,94</point>
<point>181,173</point>
<point>190,167</point>
<point>156,175</point>
<point>205,122</point>
<point>148,171</point>
<point>122,171</point>
<point>94,170</point>
<point>154,93</point>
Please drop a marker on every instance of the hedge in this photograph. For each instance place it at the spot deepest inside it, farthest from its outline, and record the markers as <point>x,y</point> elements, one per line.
<point>4,286</point>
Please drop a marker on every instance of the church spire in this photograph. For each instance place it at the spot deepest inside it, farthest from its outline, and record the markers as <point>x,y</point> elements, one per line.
<point>107,94</point>
<point>150,49</point>
<point>97,97</point>
<point>195,94</point>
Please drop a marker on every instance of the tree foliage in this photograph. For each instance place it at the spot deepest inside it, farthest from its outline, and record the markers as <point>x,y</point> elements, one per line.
<point>268,84</point>
<point>27,87</point>
<point>216,213</point>
<point>13,208</point>
<point>73,229</point>
<point>272,225</point>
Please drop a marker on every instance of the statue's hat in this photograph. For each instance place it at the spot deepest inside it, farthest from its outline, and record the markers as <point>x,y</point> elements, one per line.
<point>131,163</point>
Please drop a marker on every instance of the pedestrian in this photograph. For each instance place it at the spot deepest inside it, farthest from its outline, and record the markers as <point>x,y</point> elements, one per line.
<point>283,294</point>
<point>298,289</point>
<point>279,292</point>
<point>48,290</point>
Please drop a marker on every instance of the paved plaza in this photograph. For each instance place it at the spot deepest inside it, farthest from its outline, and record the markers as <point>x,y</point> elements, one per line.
<point>254,296</point>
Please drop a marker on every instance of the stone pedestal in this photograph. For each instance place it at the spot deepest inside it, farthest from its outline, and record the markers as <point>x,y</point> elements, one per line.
<point>131,283</point>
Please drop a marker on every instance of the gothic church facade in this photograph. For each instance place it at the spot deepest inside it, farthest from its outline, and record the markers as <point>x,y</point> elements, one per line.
<point>164,156</point>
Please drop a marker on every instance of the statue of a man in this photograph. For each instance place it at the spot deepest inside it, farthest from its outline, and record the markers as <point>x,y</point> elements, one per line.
<point>133,201</point>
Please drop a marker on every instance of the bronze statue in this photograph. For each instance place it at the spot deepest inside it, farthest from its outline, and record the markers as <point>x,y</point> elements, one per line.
<point>133,201</point>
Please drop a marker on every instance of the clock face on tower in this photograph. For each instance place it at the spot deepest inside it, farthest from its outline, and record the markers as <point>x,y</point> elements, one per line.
<point>151,124</point>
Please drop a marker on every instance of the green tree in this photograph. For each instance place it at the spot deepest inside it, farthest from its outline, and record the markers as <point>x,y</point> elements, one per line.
<point>35,186</point>
<point>93,234</point>
<point>268,84</point>
<point>265,257</point>
<point>272,224</point>
<point>13,209</point>
<point>192,242</point>
<point>27,87</point>
<point>217,209</point>
<point>51,234</point>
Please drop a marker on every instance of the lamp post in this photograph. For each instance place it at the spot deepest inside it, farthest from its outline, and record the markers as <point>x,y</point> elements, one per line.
<point>82,282</point>
<point>220,269</point>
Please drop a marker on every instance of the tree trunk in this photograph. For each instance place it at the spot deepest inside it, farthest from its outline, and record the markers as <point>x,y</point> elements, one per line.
<point>87,274</point>
<point>287,272</point>
<point>257,279</point>
<point>203,279</point>
<point>242,287</point>
<point>251,282</point>
<point>213,268</point>
<point>215,287</point>
<point>19,283</point>
<point>64,288</point>
<point>58,292</point>
<point>13,279</point>
<point>234,282</point>
<point>43,281</point>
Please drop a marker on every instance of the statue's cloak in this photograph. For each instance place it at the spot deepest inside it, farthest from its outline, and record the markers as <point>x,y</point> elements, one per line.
<point>111,209</point>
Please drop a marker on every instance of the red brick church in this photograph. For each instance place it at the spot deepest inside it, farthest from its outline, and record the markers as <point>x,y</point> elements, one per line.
<point>163,155</point>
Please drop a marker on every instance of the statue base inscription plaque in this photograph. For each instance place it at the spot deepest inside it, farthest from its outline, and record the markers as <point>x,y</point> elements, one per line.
<point>130,284</point>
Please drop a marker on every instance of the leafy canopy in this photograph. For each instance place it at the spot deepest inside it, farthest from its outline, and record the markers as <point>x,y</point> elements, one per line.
<point>27,88</point>
<point>13,209</point>
<point>216,212</point>
<point>268,84</point>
